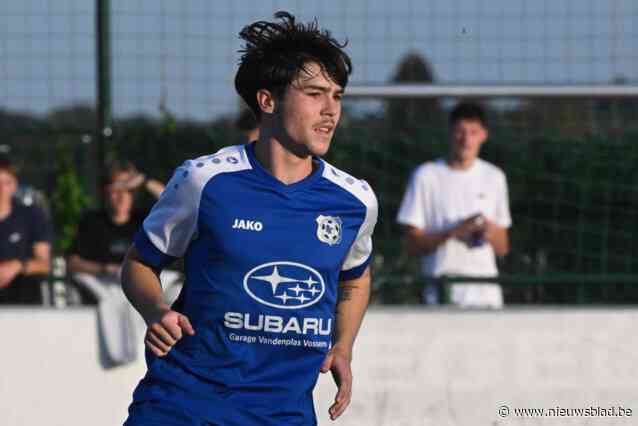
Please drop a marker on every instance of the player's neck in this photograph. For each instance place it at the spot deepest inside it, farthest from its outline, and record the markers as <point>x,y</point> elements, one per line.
<point>280,162</point>
<point>455,163</point>
<point>120,218</point>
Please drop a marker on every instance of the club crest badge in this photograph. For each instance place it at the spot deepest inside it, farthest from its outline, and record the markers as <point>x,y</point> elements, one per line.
<point>329,229</point>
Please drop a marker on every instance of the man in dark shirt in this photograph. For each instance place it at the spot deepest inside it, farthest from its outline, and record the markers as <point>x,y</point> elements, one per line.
<point>104,236</point>
<point>25,243</point>
<point>102,241</point>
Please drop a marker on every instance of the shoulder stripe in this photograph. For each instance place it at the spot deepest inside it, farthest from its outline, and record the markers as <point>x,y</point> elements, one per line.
<point>178,205</point>
<point>357,187</point>
<point>361,249</point>
<point>200,170</point>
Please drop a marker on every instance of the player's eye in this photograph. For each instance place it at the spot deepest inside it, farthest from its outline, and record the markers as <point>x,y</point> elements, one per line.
<point>314,94</point>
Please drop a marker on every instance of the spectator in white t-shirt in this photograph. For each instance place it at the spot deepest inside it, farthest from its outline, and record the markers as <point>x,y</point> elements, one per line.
<point>456,215</point>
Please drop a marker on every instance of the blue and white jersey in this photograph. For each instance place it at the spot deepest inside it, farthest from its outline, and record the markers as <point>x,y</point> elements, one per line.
<point>263,261</point>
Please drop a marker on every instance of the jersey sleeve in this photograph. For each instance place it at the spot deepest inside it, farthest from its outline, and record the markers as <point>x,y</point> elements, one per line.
<point>411,209</point>
<point>360,253</point>
<point>172,223</point>
<point>503,217</point>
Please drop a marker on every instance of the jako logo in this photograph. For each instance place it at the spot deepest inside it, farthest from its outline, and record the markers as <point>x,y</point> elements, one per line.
<point>249,225</point>
<point>285,285</point>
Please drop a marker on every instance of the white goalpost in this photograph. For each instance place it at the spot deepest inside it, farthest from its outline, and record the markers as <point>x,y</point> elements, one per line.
<point>479,91</point>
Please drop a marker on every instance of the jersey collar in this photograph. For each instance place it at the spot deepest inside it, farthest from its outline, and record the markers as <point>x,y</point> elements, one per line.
<point>276,183</point>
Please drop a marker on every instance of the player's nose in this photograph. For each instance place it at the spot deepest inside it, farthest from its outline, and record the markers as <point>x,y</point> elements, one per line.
<point>330,106</point>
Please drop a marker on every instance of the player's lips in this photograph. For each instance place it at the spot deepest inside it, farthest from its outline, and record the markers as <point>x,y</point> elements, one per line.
<point>325,128</point>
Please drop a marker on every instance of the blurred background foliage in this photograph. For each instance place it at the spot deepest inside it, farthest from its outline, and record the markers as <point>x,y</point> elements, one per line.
<point>570,165</point>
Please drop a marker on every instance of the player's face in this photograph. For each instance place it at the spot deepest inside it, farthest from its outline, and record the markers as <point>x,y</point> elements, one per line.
<point>310,111</point>
<point>466,140</point>
<point>8,186</point>
<point>120,198</point>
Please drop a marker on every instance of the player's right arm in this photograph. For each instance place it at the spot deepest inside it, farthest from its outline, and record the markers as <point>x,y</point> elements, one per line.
<point>412,215</point>
<point>165,236</point>
<point>142,287</point>
<point>420,242</point>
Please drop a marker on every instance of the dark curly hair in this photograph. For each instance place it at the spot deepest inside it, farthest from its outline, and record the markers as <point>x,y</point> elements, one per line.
<point>276,52</point>
<point>8,166</point>
<point>468,111</point>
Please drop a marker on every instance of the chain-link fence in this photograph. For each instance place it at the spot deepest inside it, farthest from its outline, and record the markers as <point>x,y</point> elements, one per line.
<point>171,95</point>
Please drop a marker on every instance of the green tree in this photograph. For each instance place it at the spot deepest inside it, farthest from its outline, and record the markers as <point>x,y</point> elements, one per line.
<point>409,114</point>
<point>69,200</point>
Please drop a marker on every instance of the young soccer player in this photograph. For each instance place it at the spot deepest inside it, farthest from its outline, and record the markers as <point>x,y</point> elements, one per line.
<point>277,246</point>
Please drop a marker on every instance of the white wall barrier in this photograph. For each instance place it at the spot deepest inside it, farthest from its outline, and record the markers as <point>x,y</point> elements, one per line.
<point>412,367</point>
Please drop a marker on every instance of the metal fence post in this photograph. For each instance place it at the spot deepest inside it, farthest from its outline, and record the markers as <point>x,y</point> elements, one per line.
<point>103,107</point>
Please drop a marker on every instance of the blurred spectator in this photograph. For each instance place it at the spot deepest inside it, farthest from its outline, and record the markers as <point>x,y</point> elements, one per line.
<point>104,236</point>
<point>97,252</point>
<point>456,214</point>
<point>25,243</point>
<point>247,124</point>
<point>30,196</point>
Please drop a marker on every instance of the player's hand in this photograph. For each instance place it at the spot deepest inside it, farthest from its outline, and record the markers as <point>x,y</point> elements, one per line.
<point>113,269</point>
<point>135,181</point>
<point>165,329</point>
<point>129,184</point>
<point>338,362</point>
<point>469,228</point>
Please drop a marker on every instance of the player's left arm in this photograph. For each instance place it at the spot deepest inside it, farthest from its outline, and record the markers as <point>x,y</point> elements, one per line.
<point>153,186</point>
<point>38,264</point>
<point>351,305</point>
<point>498,237</point>
<point>496,230</point>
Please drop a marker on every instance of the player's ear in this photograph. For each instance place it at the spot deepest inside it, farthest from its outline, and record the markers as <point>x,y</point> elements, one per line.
<point>266,101</point>
<point>486,134</point>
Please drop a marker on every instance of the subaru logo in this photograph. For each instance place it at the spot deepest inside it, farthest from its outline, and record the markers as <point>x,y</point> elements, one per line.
<point>284,285</point>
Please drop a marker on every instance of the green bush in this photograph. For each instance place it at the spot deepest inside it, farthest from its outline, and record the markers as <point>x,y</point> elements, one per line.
<point>69,200</point>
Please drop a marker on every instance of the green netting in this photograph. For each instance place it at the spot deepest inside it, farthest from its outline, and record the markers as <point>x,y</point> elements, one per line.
<point>573,197</point>
<point>570,163</point>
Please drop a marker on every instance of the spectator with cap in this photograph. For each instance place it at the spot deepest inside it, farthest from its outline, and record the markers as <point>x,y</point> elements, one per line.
<point>104,236</point>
